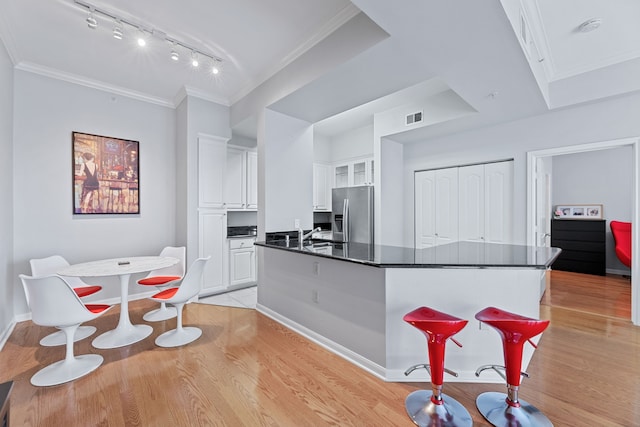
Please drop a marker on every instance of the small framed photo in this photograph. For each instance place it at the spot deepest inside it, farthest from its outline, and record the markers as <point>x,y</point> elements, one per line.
<point>578,212</point>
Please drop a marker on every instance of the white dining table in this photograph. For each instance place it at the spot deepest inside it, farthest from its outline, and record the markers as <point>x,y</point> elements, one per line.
<point>125,333</point>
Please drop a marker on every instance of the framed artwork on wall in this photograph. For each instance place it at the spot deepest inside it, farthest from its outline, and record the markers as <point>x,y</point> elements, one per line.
<point>578,212</point>
<point>106,174</point>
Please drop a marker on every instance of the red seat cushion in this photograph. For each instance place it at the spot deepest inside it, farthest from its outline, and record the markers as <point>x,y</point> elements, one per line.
<point>97,308</point>
<point>86,290</point>
<point>157,280</point>
<point>166,294</point>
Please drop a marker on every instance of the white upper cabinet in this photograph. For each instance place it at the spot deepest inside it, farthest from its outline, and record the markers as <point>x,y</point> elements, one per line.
<point>321,187</point>
<point>212,159</point>
<point>241,183</point>
<point>235,182</point>
<point>252,180</point>
<point>354,173</point>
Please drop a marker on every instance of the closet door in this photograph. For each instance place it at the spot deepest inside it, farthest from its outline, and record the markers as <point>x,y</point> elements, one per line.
<point>436,208</point>
<point>446,205</point>
<point>472,203</point>
<point>425,198</point>
<point>498,188</point>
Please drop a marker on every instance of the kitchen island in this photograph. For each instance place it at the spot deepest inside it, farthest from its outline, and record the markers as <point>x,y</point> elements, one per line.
<point>351,297</point>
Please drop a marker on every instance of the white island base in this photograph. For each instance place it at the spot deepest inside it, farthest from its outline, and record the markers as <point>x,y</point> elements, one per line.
<point>355,310</point>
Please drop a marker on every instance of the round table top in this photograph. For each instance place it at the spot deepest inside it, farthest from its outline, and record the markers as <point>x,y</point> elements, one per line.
<point>117,266</point>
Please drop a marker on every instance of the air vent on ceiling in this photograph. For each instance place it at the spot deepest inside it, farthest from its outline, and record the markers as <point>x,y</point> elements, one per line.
<point>413,118</point>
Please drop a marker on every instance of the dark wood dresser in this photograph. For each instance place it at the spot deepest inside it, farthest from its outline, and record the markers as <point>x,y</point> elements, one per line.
<point>583,245</point>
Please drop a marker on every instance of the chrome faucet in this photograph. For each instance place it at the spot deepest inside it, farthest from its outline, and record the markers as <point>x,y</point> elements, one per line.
<point>302,236</point>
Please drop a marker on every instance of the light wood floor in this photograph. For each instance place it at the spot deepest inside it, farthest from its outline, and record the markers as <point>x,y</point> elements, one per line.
<point>247,370</point>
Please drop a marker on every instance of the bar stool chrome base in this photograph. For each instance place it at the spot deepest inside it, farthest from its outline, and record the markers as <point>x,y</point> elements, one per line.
<point>494,408</point>
<point>425,413</point>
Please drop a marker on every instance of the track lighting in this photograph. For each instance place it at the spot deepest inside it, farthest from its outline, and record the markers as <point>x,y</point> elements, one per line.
<point>144,31</point>
<point>91,20</point>
<point>142,41</point>
<point>174,53</point>
<point>117,31</point>
<point>216,67</point>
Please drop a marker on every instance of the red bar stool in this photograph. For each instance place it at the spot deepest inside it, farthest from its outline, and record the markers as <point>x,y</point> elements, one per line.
<point>435,408</point>
<point>506,409</point>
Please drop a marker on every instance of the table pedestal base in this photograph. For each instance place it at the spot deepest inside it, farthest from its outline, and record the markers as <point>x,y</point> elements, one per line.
<point>122,336</point>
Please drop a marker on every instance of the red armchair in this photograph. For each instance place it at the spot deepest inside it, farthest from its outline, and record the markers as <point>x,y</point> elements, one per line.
<point>622,236</point>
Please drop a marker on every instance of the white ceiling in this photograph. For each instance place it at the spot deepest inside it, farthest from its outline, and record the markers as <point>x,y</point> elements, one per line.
<point>474,48</point>
<point>254,38</point>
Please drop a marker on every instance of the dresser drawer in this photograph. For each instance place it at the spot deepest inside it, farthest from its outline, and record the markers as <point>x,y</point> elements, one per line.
<point>583,245</point>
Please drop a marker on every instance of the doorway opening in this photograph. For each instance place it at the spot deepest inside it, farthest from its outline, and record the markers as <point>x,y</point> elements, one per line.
<point>537,175</point>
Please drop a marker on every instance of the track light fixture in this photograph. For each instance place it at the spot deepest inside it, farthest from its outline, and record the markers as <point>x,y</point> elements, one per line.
<point>144,31</point>
<point>142,40</point>
<point>174,54</point>
<point>91,20</point>
<point>216,67</point>
<point>117,30</point>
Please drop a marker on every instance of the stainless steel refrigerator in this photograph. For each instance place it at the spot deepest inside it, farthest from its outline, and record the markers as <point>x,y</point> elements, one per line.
<point>352,214</point>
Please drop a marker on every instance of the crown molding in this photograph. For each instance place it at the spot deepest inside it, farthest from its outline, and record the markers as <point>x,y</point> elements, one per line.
<point>345,15</point>
<point>196,93</point>
<point>90,83</point>
<point>7,39</point>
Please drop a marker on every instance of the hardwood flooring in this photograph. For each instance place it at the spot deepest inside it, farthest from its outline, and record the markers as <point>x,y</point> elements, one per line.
<point>247,370</point>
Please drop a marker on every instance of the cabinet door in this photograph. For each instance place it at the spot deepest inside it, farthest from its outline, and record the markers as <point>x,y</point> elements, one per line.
<point>242,266</point>
<point>212,228</point>
<point>212,160</point>
<point>471,203</point>
<point>321,187</point>
<point>446,205</point>
<point>252,180</point>
<point>498,214</point>
<point>360,173</point>
<point>235,186</point>
<point>425,198</point>
<point>436,208</point>
<point>342,176</point>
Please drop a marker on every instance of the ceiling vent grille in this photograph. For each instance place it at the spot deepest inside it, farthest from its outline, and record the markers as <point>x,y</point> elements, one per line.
<point>413,118</point>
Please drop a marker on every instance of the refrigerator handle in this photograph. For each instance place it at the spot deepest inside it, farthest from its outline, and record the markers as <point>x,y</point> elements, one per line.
<point>345,220</point>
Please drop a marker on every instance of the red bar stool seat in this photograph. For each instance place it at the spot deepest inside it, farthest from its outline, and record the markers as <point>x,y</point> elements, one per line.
<point>506,409</point>
<point>434,408</point>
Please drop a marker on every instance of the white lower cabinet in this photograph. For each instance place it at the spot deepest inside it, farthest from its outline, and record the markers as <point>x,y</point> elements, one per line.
<point>242,261</point>
<point>212,226</point>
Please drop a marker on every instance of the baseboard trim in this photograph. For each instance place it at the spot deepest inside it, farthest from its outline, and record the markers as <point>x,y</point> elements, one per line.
<point>363,363</point>
<point>7,333</point>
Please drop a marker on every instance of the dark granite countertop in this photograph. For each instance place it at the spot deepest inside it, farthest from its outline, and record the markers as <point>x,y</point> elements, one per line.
<point>452,255</point>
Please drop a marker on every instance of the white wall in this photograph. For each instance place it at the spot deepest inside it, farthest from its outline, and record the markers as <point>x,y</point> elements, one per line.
<point>602,121</point>
<point>6,192</point>
<point>322,149</point>
<point>597,177</point>
<point>287,149</point>
<point>46,111</point>
<point>352,144</point>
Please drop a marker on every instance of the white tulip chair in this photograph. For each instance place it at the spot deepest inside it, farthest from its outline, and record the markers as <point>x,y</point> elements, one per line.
<point>163,278</point>
<point>179,296</point>
<point>53,302</point>
<point>49,266</point>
